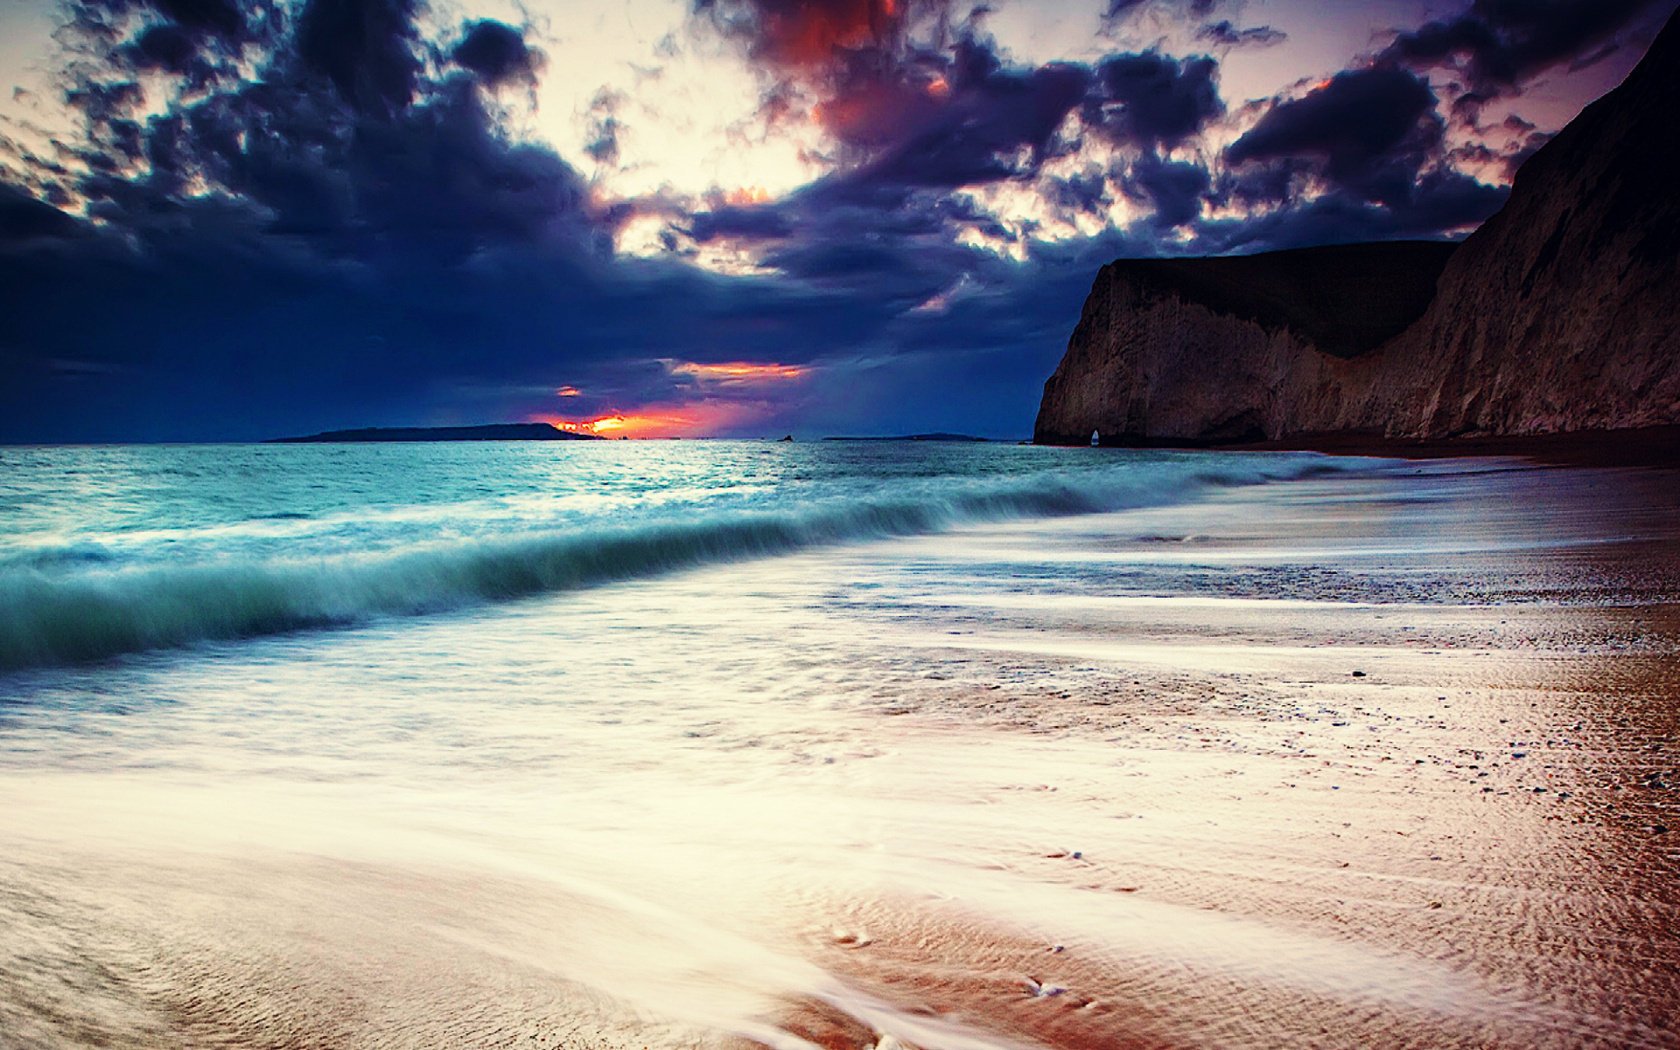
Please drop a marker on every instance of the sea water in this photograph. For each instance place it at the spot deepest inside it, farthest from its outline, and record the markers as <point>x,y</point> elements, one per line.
<point>113,550</point>
<point>685,743</point>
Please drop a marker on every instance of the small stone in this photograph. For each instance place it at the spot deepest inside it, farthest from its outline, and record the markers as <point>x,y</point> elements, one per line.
<point>1359,674</point>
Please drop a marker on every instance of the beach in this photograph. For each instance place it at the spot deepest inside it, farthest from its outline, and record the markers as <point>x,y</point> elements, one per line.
<point>1244,750</point>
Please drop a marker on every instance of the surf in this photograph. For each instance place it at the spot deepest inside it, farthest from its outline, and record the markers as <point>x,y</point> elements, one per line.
<point>62,611</point>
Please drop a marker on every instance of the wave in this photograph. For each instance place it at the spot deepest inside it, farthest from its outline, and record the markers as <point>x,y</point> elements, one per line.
<point>54,618</point>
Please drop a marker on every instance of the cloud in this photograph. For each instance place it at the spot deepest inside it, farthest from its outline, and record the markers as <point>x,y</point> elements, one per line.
<point>1367,130</point>
<point>1360,156</point>
<point>807,35</point>
<point>166,47</point>
<point>1175,188</point>
<point>911,95</point>
<point>1224,34</point>
<point>366,48</point>
<point>1500,44</point>
<point>1120,10</point>
<point>23,218</point>
<point>995,124</point>
<point>604,127</point>
<point>498,54</point>
<point>224,18</point>
<point>300,223</point>
<point>1153,99</point>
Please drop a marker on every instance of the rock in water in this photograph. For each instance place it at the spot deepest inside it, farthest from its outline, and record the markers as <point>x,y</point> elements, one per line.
<point>1561,313</point>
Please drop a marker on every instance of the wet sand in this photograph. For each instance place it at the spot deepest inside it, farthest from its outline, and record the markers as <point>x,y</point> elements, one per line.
<point>1341,763</point>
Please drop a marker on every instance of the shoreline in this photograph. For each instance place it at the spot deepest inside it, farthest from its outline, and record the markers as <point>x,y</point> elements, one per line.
<point>1637,447</point>
<point>1377,758</point>
<point>1640,447</point>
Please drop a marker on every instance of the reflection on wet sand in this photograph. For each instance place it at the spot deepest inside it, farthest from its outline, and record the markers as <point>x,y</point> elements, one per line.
<point>1350,762</point>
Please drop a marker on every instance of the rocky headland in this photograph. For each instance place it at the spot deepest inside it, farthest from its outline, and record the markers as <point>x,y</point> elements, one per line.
<point>1561,314</point>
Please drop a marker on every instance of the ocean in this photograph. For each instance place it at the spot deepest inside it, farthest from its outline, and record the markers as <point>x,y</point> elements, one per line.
<point>106,551</point>
<point>830,744</point>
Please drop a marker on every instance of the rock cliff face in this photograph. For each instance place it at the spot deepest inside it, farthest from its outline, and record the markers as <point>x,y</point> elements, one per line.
<point>1561,313</point>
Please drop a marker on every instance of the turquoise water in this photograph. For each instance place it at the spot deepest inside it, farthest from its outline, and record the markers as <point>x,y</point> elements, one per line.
<point>693,744</point>
<point>113,550</point>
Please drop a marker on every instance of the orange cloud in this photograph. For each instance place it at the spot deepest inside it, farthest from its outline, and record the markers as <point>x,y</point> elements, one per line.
<point>739,371</point>
<point>568,391</point>
<point>747,195</point>
<point>810,35</point>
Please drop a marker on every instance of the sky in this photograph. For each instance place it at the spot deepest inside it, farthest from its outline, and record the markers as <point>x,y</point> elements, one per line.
<point>240,219</point>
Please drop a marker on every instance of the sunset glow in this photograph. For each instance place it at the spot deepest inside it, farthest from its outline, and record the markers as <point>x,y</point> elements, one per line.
<point>695,419</point>
<point>748,195</point>
<point>647,210</point>
<point>739,370</point>
<point>723,398</point>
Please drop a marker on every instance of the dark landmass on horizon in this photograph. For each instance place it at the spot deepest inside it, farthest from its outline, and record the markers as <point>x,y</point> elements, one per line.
<point>937,436</point>
<point>486,432</point>
<point>1555,326</point>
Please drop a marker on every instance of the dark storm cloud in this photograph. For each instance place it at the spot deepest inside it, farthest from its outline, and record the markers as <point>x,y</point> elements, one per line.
<point>1081,193</point>
<point>1500,44</point>
<point>348,238</point>
<point>1224,34</point>
<point>105,102</point>
<point>24,218</point>
<point>325,225</point>
<point>1154,99</point>
<point>356,230</point>
<point>920,99</point>
<point>914,95</point>
<point>1175,188</point>
<point>1440,201</point>
<point>763,222</point>
<point>498,53</point>
<point>368,49</point>
<point>995,124</point>
<point>198,40</point>
<point>166,47</point>
<point>1120,10</point>
<point>1367,130</point>
<point>221,17</point>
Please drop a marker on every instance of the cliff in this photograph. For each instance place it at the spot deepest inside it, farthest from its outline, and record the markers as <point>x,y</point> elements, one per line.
<point>1561,313</point>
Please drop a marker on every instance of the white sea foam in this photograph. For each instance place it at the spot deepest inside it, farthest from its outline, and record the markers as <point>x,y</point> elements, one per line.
<point>120,591</point>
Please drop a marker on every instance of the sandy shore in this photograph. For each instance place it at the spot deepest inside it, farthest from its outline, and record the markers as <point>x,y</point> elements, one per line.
<point>1389,765</point>
<point>1638,447</point>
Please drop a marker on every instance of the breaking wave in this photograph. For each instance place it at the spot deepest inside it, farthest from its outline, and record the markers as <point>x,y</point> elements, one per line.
<point>81,610</point>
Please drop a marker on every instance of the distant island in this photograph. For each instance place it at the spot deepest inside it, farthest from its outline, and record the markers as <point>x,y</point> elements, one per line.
<point>914,437</point>
<point>487,432</point>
